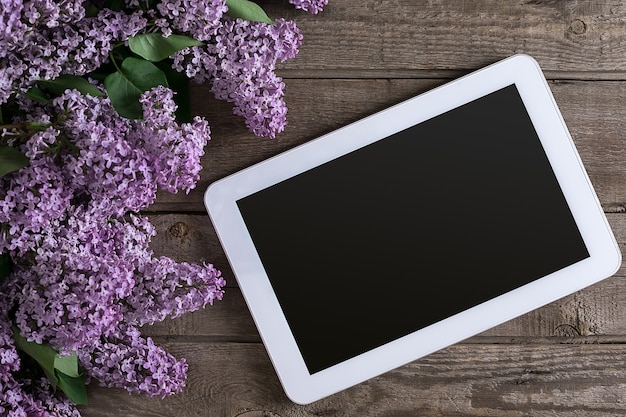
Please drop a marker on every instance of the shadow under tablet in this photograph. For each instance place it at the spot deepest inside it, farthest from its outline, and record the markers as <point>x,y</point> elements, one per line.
<point>412,229</point>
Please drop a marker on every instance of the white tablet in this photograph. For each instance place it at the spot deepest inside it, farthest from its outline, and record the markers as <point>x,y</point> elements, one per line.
<point>412,229</point>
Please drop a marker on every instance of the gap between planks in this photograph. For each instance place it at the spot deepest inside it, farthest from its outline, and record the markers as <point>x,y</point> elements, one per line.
<point>368,74</point>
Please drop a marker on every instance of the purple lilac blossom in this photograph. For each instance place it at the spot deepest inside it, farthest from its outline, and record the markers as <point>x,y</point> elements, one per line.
<point>53,38</point>
<point>311,6</point>
<point>35,196</point>
<point>26,398</point>
<point>92,274</point>
<point>240,65</point>
<point>9,359</point>
<point>104,158</point>
<point>124,160</point>
<point>16,402</point>
<point>196,18</point>
<point>81,273</point>
<point>127,360</point>
<point>170,289</point>
<point>55,405</point>
<point>23,397</point>
<point>30,203</point>
<point>175,150</point>
<point>12,29</point>
<point>84,263</point>
<point>110,163</point>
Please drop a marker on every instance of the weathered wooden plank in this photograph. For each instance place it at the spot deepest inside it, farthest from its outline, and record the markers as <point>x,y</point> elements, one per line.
<point>594,112</point>
<point>595,311</point>
<point>228,380</point>
<point>563,35</point>
<point>225,320</point>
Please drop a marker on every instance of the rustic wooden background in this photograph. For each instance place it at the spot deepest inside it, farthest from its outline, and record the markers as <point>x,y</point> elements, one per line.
<point>358,57</point>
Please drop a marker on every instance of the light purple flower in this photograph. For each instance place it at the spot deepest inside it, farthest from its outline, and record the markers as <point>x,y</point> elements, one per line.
<point>42,39</point>
<point>311,6</point>
<point>174,150</point>
<point>109,162</point>
<point>170,289</point>
<point>127,360</point>
<point>26,398</point>
<point>81,272</point>
<point>87,263</point>
<point>240,65</point>
<point>31,201</point>
<point>196,18</point>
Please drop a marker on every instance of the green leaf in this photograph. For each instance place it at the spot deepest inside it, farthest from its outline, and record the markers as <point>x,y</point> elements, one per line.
<point>44,355</point>
<point>61,371</point>
<point>64,82</point>
<point>247,10</point>
<point>67,364</point>
<point>124,96</point>
<point>6,266</point>
<point>125,86</point>
<point>35,93</point>
<point>73,387</point>
<point>11,160</point>
<point>154,47</point>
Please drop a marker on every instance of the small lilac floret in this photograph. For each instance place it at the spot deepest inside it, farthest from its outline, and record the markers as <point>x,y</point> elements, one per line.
<point>311,6</point>
<point>240,65</point>
<point>125,359</point>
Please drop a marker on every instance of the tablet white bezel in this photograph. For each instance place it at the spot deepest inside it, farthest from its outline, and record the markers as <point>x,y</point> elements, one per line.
<point>521,70</point>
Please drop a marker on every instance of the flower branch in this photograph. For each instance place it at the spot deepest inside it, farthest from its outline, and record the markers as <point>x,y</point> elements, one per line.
<point>93,121</point>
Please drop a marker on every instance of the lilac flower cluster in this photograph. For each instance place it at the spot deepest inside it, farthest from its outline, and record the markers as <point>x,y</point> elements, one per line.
<point>85,277</point>
<point>240,65</point>
<point>105,158</point>
<point>198,19</point>
<point>92,273</point>
<point>125,359</point>
<point>27,398</point>
<point>20,396</point>
<point>311,6</point>
<point>42,39</point>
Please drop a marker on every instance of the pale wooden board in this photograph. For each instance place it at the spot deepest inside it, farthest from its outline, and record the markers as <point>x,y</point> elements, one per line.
<point>233,379</point>
<point>593,111</point>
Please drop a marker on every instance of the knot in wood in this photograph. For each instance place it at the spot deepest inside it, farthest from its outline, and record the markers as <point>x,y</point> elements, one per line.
<point>578,27</point>
<point>179,230</point>
<point>566,330</point>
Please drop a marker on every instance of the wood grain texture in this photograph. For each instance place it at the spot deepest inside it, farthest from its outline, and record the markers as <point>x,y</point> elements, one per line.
<point>563,35</point>
<point>234,379</point>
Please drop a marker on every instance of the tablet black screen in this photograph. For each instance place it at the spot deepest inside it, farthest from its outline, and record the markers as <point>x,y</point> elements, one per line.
<point>412,229</point>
